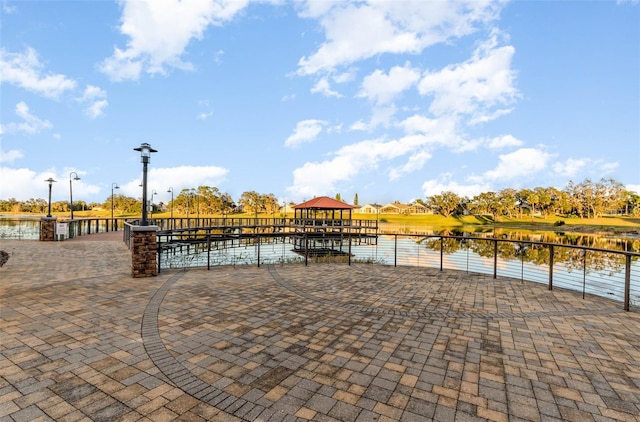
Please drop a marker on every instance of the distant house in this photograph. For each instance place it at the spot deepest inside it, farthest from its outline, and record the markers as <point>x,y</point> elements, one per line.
<point>369,209</point>
<point>418,208</point>
<point>399,208</point>
<point>395,208</point>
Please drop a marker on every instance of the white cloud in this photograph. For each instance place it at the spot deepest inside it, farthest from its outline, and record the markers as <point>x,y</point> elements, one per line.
<point>633,188</point>
<point>476,86</point>
<point>606,168</point>
<point>570,167</point>
<point>96,108</point>
<point>503,142</point>
<point>521,163</point>
<point>30,124</point>
<point>26,184</point>
<point>321,178</point>
<point>574,167</point>
<point>157,39</point>
<point>94,98</point>
<point>205,115</point>
<point>383,88</point>
<point>442,132</point>
<point>324,87</point>
<point>24,70</point>
<point>357,31</point>
<point>380,116</point>
<point>305,131</point>
<point>10,156</point>
<point>92,92</point>
<point>445,184</point>
<point>416,162</point>
<point>181,177</point>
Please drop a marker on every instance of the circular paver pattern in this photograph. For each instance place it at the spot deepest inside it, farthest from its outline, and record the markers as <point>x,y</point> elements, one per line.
<point>368,342</point>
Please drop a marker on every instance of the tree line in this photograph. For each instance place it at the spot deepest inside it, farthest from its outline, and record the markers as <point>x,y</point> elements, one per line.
<point>587,199</point>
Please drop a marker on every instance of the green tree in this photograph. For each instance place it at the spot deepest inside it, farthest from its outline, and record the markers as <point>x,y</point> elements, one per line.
<point>445,203</point>
<point>507,200</point>
<point>485,203</point>
<point>356,202</point>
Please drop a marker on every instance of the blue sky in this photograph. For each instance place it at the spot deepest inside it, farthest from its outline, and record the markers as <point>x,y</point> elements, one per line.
<point>391,100</point>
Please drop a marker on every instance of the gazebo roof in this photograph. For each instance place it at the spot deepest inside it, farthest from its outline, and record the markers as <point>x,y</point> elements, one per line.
<point>324,203</point>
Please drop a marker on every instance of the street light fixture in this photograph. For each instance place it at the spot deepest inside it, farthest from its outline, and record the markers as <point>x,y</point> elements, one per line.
<point>153,192</point>
<point>71,190</point>
<point>171,190</point>
<point>114,185</point>
<point>145,155</point>
<point>51,181</point>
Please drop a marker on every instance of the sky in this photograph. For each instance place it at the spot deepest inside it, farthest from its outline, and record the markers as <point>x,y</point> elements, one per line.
<point>391,100</point>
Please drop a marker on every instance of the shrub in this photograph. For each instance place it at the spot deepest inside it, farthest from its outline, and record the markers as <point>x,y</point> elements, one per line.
<point>559,223</point>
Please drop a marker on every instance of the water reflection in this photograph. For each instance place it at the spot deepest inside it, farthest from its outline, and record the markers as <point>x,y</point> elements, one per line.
<point>523,249</point>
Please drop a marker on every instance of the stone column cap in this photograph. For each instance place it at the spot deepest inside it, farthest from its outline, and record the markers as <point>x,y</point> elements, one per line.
<point>144,228</point>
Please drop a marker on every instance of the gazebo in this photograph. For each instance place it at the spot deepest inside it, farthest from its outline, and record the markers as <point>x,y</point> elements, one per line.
<point>322,226</point>
<point>323,211</point>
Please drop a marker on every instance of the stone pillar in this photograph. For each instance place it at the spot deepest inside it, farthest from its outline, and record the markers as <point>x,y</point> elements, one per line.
<point>143,251</point>
<point>48,228</point>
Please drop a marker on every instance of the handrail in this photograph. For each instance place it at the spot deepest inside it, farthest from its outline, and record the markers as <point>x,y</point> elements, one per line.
<point>567,266</point>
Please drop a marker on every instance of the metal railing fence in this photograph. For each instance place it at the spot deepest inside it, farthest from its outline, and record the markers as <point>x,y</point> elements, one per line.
<point>609,273</point>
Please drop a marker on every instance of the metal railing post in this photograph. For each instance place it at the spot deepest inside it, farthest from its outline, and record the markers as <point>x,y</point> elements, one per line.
<point>306,250</point>
<point>159,253</point>
<point>495,258</point>
<point>208,251</point>
<point>395,250</point>
<point>584,271</point>
<point>627,282</point>
<point>550,267</point>
<point>258,241</point>
<point>349,248</point>
<point>441,253</point>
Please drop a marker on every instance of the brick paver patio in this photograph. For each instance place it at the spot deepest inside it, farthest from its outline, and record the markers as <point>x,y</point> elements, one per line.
<point>82,340</point>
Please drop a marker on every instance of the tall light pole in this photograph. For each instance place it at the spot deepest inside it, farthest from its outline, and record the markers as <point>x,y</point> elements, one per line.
<point>145,155</point>
<point>153,192</point>
<point>71,190</point>
<point>114,185</point>
<point>194,193</point>
<point>51,181</point>
<point>188,195</point>
<point>171,190</point>
<point>198,208</point>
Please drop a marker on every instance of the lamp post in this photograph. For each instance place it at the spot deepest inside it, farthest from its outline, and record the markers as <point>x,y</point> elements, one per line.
<point>153,192</point>
<point>71,190</point>
<point>114,185</point>
<point>188,195</point>
<point>51,181</point>
<point>171,190</point>
<point>145,155</point>
<point>198,208</point>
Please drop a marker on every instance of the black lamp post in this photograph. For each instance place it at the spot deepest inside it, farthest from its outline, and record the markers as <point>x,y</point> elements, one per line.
<point>145,154</point>
<point>153,192</point>
<point>197,207</point>
<point>171,190</point>
<point>51,181</point>
<point>114,185</point>
<point>71,190</point>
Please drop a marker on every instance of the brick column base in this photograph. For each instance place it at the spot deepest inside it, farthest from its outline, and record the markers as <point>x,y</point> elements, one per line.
<point>48,229</point>
<point>143,251</point>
